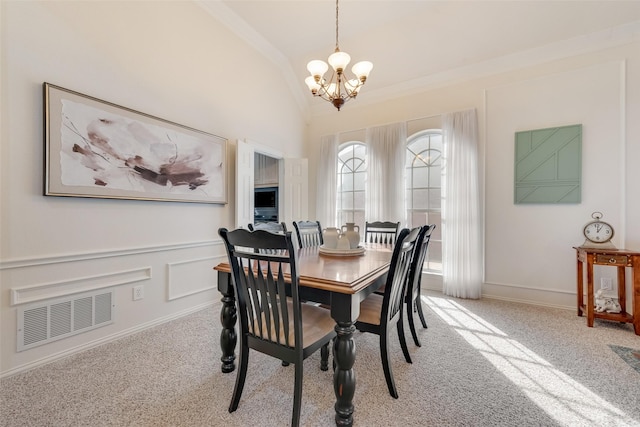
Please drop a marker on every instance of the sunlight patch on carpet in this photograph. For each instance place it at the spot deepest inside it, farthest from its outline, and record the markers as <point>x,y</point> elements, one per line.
<point>561,397</point>
<point>629,355</point>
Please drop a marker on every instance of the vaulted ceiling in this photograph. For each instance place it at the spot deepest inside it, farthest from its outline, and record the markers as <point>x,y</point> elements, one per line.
<point>422,42</point>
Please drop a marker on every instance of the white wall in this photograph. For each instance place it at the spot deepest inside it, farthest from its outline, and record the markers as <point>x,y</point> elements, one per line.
<point>167,59</point>
<point>528,248</point>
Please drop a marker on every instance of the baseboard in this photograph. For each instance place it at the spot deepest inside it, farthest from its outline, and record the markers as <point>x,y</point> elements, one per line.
<point>528,302</point>
<point>435,287</point>
<point>104,340</point>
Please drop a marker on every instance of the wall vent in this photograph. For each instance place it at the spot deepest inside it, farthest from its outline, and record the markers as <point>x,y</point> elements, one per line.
<point>43,323</point>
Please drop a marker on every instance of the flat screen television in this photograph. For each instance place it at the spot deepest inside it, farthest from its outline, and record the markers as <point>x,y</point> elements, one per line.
<point>266,197</point>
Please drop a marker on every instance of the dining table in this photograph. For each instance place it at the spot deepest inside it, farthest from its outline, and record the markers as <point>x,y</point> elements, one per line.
<point>338,280</point>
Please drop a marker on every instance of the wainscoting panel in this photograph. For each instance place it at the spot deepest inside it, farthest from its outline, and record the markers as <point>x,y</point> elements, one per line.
<point>42,291</point>
<point>192,276</point>
<point>56,306</point>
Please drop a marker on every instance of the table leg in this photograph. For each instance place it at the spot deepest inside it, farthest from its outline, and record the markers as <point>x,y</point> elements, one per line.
<point>622,290</point>
<point>228,318</point>
<point>344,377</point>
<point>590,298</point>
<point>580,285</point>
<point>635,291</point>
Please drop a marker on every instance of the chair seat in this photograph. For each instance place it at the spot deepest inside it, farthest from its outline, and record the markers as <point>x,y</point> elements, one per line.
<point>370,309</point>
<point>316,324</point>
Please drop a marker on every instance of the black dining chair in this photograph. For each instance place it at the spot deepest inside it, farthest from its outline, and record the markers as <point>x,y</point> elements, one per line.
<point>274,227</point>
<point>309,233</point>
<point>384,232</point>
<point>380,313</point>
<point>414,280</point>
<point>271,322</point>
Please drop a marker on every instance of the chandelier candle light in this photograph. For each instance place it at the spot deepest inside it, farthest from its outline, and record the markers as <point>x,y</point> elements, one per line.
<point>339,88</point>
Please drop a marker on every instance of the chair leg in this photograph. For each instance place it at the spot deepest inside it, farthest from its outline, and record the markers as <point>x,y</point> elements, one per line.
<point>297,393</point>
<point>241,376</point>
<point>403,341</point>
<point>324,357</point>
<point>412,325</point>
<point>420,313</point>
<point>388,374</point>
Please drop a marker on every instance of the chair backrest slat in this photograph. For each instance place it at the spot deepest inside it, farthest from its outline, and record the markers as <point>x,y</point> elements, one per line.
<point>384,232</point>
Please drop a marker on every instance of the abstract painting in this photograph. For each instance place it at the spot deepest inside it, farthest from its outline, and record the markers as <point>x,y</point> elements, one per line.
<point>548,165</point>
<point>94,148</point>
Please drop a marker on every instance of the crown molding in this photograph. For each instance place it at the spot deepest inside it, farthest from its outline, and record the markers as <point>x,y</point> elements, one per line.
<point>615,36</point>
<point>593,42</point>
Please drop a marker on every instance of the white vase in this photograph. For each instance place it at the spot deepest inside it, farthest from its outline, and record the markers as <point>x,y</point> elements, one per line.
<point>343,243</point>
<point>330,237</point>
<point>352,231</point>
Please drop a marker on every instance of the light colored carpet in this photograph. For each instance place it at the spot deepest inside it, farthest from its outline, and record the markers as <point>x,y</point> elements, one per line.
<point>482,363</point>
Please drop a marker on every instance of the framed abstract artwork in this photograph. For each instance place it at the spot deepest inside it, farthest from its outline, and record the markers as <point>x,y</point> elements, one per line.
<point>94,148</point>
<point>548,165</point>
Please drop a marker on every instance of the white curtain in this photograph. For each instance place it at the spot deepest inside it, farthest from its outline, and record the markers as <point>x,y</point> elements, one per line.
<point>326,182</point>
<point>461,228</point>
<point>386,146</point>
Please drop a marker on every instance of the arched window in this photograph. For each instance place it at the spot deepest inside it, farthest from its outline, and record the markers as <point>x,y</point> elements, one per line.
<point>352,175</point>
<point>423,189</point>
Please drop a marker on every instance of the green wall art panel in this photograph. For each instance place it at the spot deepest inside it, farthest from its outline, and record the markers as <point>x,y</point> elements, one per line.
<point>548,165</point>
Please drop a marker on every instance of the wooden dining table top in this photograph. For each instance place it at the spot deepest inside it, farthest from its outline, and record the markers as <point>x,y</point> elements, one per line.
<point>338,273</point>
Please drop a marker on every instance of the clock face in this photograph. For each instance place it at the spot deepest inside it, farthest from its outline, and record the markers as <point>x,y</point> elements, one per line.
<point>598,232</point>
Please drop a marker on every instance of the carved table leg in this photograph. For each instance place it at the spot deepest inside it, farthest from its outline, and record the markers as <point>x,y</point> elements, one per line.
<point>344,377</point>
<point>228,336</point>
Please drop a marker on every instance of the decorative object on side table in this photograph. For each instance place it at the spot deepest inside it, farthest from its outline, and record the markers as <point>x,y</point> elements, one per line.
<point>597,233</point>
<point>605,303</point>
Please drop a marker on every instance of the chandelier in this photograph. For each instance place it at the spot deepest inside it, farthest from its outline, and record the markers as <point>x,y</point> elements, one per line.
<point>339,89</point>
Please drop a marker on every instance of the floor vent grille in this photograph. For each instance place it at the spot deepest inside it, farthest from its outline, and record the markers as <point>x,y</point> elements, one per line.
<point>43,323</point>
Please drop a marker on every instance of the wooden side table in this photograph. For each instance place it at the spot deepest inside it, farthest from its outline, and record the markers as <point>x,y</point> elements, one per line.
<point>620,258</point>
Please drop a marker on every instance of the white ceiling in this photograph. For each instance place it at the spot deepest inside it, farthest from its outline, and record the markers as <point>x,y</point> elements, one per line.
<point>422,42</point>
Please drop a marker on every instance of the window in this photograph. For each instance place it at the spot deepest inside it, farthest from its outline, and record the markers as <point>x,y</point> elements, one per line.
<point>352,174</point>
<point>423,189</point>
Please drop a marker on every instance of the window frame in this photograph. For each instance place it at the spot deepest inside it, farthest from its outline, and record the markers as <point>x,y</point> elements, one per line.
<point>349,215</point>
<point>432,264</point>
